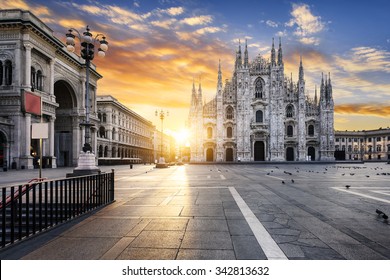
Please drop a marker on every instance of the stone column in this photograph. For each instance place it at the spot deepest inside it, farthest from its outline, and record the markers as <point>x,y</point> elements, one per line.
<point>52,62</point>
<point>27,78</point>
<point>52,142</point>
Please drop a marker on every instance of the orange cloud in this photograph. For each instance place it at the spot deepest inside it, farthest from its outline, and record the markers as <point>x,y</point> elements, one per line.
<point>379,110</point>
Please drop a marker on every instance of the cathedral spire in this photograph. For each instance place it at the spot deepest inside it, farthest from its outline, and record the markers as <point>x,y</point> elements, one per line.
<point>200,98</point>
<point>301,74</point>
<point>330,97</point>
<point>219,73</point>
<point>273,61</point>
<point>238,56</point>
<point>315,95</point>
<point>246,59</point>
<point>193,96</point>
<point>280,55</point>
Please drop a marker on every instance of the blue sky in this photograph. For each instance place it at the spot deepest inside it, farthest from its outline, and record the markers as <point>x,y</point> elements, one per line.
<point>157,48</point>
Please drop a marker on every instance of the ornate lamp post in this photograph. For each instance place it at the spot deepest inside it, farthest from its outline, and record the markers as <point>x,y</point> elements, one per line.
<point>161,160</point>
<point>86,164</point>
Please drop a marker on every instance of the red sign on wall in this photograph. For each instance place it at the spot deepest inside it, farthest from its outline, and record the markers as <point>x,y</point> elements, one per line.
<point>31,103</point>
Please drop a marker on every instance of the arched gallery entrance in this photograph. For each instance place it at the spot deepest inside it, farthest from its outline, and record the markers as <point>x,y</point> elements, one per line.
<point>259,151</point>
<point>209,154</point>
<point>63,127</point>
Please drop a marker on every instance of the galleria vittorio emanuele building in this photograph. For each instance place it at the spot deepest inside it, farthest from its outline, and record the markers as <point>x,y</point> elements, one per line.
<point>262,115</point>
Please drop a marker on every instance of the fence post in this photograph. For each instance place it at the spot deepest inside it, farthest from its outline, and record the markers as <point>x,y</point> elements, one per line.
<point>112,185</point>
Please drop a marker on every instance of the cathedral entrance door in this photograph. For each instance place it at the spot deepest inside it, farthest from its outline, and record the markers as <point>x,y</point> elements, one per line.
<point>290,154</point>
<point>209,155</point>
<point>311,153</point>
<point>259,151</point>
<point>3,143</point>
<point>229,154</point>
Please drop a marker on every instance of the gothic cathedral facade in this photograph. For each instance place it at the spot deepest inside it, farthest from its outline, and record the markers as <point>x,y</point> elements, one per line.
<point>262,115</point>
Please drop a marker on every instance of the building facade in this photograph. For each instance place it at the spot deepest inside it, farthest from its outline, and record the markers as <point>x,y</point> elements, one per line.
<point>33,62</point>
<point>122,133</point>
<point>365,145</point>
<point>262,115</point>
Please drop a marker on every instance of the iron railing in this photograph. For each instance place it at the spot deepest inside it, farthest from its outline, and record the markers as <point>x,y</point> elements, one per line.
<point>39,205</point>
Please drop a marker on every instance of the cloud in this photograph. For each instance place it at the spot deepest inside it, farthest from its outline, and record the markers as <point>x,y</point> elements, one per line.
<point>365,59</point>
<point>378,110</point>
<point>199,20</point>
<point>306,24</point>
<point>271,23</point>
<point>175,11</point>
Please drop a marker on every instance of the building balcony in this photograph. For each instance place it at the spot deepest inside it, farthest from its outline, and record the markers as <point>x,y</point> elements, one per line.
<point>259,126</point>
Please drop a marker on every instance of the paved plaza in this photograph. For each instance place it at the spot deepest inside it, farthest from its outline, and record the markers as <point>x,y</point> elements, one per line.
<point>227,211</point>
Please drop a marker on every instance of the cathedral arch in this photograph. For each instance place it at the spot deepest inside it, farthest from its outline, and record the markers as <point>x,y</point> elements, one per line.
<point>8,72</point>
<point>100,151</point>
<point>229,154</point>
<point>311,152</point>
<point>290,154</point>
<point>259,88</point>
<point>105,151</point>
<point>289,111</point>
<point>229,113</point>
<point>259,116</point>
<point>209,154</point>
<point>259,151</point>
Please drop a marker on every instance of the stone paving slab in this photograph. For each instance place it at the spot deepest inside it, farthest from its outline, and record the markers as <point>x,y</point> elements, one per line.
<point>162,215</point>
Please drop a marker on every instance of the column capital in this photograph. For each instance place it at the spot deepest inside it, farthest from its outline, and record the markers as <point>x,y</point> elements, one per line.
<point>28,46</point>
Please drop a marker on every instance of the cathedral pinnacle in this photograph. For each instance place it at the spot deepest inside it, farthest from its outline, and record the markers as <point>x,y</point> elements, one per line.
<point>280,55</point>
<point>301,74</point>
<point>273,61</point>
<point>246,59</point>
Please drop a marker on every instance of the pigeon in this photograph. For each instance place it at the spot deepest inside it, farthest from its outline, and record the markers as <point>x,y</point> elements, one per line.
<point>379,212</point>
<point>282,182</point>
<point>347,186</point>
<point>292,181</point>
<point>367,176</point>
<point>384,216</point>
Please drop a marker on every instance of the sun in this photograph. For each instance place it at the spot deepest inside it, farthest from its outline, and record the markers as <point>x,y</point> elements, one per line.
<point>181,136</point>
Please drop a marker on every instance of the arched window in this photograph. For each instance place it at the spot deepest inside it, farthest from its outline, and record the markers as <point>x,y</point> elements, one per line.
<point>104,117</point>
<point>113,152</point>
<point>39,80</point>
<point>100,116</point>
<point>259,89</point>
<point>102,132</point>
<point>290,131</point>
<point>33,75</point>
<point>209,132</point>
<point>1,73</point>
<point>105,151</point>
<point>100,151</point>
<point>229,132</point>
<point>229,113</point>
<point>8,73</point>
<point>310,130</point>
<point>289,111</point>
<point>259,116</point>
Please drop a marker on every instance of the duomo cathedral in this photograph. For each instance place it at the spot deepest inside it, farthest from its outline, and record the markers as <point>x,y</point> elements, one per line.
<point>262,115</point>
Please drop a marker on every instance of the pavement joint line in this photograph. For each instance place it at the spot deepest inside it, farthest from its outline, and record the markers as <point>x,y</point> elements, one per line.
<point>381,192</point>
<point>274,177</point>
<point>168,199</point>
<point>266,242</point>
<point>362,195</point>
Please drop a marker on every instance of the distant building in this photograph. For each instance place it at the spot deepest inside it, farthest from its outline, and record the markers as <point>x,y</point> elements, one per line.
<point>367,145</point>
<point>122,133</point>
<point>262,115</point>
<point>34,63</point>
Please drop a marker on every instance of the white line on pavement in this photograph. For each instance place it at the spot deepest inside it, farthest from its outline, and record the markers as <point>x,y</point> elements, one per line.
<point>266,242</point>
<point>363,195</point>
<point>222,177</point>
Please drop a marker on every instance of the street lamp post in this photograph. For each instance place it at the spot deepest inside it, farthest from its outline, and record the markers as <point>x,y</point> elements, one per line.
<point>161,160</point>
<point>86,163</point>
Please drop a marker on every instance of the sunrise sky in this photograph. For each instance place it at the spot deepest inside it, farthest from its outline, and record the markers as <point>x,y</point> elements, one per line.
<point>158,47</point>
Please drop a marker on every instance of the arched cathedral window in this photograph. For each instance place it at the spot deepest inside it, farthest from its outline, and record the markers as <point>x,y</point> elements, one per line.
<point>209,132</point>
<point>33,74</point>
<point>289,111</point>
<point>290,131</point>
<point>259,116</point>
<point>259,89</point>
<point>1,73</point>
<point>229,132</point>
<point>39,80</point>
<point>310,130</point>
<point>229,113</point>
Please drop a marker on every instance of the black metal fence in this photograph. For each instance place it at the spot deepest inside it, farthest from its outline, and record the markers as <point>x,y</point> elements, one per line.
<point>34,207</point>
